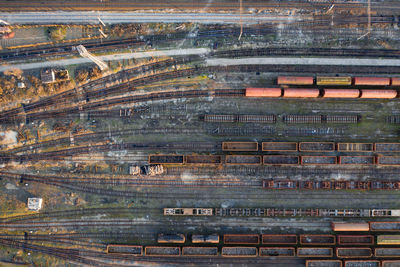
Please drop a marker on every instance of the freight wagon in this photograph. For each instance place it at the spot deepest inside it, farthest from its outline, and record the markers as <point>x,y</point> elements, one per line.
<point>125,249</point>
<point>214,239</point>
<point>331,185</point>
<point>388,240</point>
<point>239,252</point>
<point>171,238</point>
<point>240,239</point>
<point>314,252</point>
<point>384,226</point>
<point>323,263</point>
<point>352,240</point>
<point>189,211</point>
<point>360,263</point>
<point>200,251</point>
<point>353,252</point>
<point>277,252</point>
<point>317,240</point>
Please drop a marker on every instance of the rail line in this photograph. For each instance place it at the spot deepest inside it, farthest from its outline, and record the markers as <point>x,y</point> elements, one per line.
<point>81,257</point>
<point>194,195</point>
<point>17,114</point>
<point>68,49</point>
<point>98,136</point>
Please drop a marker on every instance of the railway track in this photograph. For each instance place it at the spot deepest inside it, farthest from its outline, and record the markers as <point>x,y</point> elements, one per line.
<point>260,195</point>
<point>99,136</point>
<point>68,49</point>
<point>74,95</point>
<point>11,116</point>
<point>95,258</point>
<point>55,155</point>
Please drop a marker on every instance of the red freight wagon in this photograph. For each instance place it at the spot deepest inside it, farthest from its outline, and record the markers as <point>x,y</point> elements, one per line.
<point>263,92</point>
<point>301,92</point>
<point>371,81</point>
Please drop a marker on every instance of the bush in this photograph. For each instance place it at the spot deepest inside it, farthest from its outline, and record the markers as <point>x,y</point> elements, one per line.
<point>57,33</point>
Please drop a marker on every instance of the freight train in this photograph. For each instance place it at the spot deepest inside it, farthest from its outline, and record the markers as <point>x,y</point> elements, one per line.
<point>330,92</point>
<point>267,160</point>
<point>331,185</point>
<point>338,81</point>
<point>276,212</point>
<point>321,93</point>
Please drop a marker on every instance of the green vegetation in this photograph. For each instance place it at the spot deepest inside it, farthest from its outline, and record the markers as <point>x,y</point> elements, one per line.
<point>57,33</point>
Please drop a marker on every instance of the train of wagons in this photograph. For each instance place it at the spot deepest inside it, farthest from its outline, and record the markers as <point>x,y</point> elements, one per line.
<point>277,212</point>
<point>367,90</point>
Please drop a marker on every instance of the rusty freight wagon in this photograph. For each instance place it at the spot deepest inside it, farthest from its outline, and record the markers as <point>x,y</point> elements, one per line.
<point>314,252</point>
<point>166,159</point>
<point>362,263</point>
<point>280,146</point>
<point>318,160</point>
<point>352,240</point>
<point>239,146</point>
<point>279,239</point>
<point>324,263</point>
<point>387,252</point>
<point>125,249</point>
<point>385,226</point>
<point>353,252</point>
<point>241,239</point>
<point>162,251</point>
<point>388,160</point>
<point>281,160</point>
<point>243,160</point>
<point>316,146</point>
<point>387,147</point>
<point>357,160</point>
<point>355,147</point>
<point>214,239</point>
<point>200,251</point>
<point>277,252</point>
<point>239,252</point>
<point>317,240</point>
<point>171,238</point>
<point>203,159</point>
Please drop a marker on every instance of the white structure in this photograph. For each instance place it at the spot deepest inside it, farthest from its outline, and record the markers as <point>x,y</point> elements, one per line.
<point>35,203</point>
<point>84,53</point>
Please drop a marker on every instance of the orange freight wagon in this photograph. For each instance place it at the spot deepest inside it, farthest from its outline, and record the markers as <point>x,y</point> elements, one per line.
<point>263,92</point>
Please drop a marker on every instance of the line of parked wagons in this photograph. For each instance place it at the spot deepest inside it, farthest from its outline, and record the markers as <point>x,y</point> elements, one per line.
<point>272,160</point>
<point>278,212</point>
<point>285,81</point>
<point>352,247</point>
<point>330,185</point>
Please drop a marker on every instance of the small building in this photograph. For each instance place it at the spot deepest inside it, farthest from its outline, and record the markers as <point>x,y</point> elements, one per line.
<point>35,203</point>
<point>47,76</point>
<point>54,75</point>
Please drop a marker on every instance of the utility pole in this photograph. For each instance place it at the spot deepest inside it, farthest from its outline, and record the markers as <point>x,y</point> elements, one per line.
<point>241,21</point>
<point>369,16</point>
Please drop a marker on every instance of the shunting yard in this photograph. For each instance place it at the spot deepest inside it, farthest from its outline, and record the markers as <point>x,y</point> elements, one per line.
<point>234,143</point>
